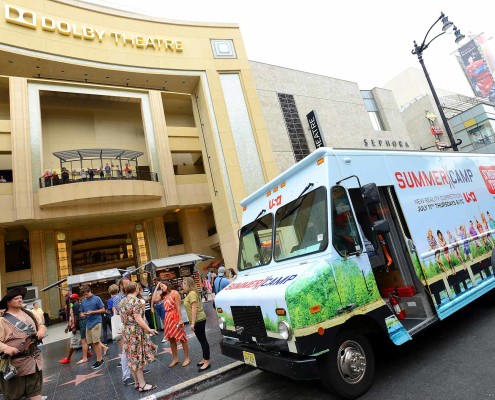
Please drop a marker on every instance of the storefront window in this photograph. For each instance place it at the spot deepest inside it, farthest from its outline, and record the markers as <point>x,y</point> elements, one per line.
<point>17,256</point>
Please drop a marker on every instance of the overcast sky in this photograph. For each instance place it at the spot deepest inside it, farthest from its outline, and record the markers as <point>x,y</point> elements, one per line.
<point>368,42</point>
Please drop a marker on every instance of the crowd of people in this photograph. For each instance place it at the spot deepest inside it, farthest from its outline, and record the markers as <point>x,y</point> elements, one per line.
<point>52,178</point>
<point>140,311</point>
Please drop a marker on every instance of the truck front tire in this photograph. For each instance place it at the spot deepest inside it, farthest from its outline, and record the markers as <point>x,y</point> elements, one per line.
<point>347,370</point>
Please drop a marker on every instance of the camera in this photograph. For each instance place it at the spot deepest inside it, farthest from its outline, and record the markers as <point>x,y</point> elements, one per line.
<point>11,373</point>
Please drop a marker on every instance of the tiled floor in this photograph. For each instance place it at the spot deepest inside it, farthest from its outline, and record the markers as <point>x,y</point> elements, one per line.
<point>82,382</point>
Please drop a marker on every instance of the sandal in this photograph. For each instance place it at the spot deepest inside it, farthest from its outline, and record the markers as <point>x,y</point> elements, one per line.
<point>144,389</point>
<point>82,361</point>
<point>173,364</point>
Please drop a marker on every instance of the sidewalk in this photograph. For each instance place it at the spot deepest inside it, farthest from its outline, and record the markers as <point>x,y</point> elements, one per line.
<point>81,382</point>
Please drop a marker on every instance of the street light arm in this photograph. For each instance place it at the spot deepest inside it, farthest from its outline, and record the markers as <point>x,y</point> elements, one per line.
<point>427,33</point>
<point>426,45</point>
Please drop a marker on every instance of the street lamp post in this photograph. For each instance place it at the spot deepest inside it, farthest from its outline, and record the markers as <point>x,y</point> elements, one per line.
<point>418,50</point>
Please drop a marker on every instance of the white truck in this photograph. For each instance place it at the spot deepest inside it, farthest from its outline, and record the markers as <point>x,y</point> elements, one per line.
<point>348,244</point>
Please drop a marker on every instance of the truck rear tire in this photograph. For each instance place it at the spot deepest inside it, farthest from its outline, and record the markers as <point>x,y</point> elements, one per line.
<point>347,370</point>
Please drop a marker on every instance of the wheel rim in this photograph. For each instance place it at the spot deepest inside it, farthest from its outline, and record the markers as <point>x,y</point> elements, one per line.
<point>351,361</point>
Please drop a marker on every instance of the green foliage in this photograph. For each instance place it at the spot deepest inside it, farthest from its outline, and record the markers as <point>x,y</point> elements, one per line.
<point>229,319</point>
<point>271,325</point>
<point>320,288</point>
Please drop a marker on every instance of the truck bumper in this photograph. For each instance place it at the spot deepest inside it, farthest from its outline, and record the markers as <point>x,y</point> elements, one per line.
<point>297,368</point>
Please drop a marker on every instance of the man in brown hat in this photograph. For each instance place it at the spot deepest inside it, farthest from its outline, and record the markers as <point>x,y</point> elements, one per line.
<point>19,333</point>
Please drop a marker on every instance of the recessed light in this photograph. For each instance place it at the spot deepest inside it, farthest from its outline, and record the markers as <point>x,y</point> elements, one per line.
<point>184,82</point>
<point>11,62</point>
<point>62,71</point>
<point>107,77</point>
<point>85,74</point>
<point>37,67</point>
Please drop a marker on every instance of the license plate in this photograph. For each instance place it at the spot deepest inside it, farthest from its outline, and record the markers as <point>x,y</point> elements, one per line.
<point>249,358</point>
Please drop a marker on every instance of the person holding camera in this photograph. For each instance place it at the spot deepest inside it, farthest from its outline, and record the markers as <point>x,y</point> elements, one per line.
<point>22,362</point>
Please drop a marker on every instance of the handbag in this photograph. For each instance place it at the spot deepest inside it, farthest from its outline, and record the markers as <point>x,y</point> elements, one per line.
<point>116,323</point>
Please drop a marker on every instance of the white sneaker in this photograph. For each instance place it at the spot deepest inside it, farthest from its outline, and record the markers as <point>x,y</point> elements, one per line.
<point>164,340</point>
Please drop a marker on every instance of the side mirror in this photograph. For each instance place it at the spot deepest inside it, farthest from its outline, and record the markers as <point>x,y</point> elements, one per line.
<point>370,194</point>
<point>381,226</point>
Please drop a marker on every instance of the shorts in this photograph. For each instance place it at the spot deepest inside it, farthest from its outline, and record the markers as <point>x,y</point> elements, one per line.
<point>107,174</point>
<point>93,335</point>
<point>75,340</point>
<point>22,386</point>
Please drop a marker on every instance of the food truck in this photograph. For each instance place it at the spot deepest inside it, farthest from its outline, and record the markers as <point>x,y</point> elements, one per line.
<point>99,281</point>
<point>350,244</point>
<point>175,268</point>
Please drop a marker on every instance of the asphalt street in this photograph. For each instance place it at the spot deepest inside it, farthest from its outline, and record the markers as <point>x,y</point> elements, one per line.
<point>451,360</point>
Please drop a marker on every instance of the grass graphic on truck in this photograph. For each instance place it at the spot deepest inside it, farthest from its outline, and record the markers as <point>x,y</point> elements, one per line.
<point>346,284</point>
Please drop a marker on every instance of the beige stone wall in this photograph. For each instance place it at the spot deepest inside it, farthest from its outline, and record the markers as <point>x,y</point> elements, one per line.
<point>90,124</point>
<point>177,76</point>
<point>338,104</point>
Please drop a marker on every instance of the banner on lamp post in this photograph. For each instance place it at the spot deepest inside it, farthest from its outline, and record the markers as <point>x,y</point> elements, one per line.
<point>316,132</point>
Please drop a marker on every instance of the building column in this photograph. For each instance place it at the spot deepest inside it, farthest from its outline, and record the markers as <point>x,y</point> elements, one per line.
<point>166,173</point>
<point>39,272</point>
<point>21,149</point>
<point>3,285</point>
<point>161,238</point>
<point>55,296</point>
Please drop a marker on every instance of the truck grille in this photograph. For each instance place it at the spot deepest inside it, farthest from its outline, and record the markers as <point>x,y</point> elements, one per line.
<point>248,321</point>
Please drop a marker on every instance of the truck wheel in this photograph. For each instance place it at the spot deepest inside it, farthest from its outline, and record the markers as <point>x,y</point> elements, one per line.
<point>347,370</point>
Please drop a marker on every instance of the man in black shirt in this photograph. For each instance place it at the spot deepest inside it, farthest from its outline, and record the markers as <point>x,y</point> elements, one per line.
<point>73,326</point>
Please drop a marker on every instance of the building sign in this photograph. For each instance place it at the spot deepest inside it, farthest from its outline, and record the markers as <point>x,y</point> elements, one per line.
<point>316,132</point>
<point>436,130</point>
<point>29,19</point>
<point>396,144</point>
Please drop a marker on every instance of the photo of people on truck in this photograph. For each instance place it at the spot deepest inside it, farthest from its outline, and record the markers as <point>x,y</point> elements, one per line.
<point>333,251</point>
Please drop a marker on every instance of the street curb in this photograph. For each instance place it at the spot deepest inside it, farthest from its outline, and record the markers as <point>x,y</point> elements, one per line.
<point>203,381</point>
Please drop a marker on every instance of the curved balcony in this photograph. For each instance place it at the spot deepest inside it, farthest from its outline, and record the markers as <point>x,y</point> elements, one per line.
<point>99,191</point>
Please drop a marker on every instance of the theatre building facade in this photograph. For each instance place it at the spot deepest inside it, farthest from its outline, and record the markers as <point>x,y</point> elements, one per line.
<point>123,138</point>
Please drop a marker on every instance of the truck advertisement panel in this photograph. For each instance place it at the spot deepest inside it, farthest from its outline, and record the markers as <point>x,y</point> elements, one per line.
<point>450,209</point>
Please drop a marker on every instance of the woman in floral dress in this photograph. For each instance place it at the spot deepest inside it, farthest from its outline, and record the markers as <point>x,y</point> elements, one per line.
<point>174,326</point>
<point>137,345</point>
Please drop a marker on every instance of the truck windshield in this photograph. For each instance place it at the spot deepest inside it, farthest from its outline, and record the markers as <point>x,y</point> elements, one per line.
<point>255,243</point>
<point>301,226</point>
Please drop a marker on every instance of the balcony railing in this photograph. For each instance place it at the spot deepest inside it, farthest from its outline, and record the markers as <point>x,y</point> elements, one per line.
<point>55,180</point>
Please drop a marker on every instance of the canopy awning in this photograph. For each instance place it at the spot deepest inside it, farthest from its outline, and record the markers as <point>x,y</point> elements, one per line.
<point>112,273</point>
<point>87,154</point>
<point>177,261</point>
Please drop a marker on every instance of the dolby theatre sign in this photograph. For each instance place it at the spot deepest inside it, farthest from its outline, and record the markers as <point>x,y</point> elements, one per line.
<point>29,19</point>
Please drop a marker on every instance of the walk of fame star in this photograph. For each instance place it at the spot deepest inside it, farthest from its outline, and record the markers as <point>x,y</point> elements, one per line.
<point>82,378</point>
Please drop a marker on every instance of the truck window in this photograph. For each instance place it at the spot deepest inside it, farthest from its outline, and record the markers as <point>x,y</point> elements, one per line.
<point>345,233</point>
<point>301,226</point>
<point>255,243</point>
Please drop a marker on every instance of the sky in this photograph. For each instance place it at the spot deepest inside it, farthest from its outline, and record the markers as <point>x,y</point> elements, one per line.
<point>368,42</point>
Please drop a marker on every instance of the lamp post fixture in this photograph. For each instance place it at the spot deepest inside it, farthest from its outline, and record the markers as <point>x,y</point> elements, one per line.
<point>418,50</point>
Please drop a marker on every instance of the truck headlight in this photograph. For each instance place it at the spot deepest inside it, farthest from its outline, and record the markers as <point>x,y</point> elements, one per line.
<point>284,330</point>
<point>221,323</point>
